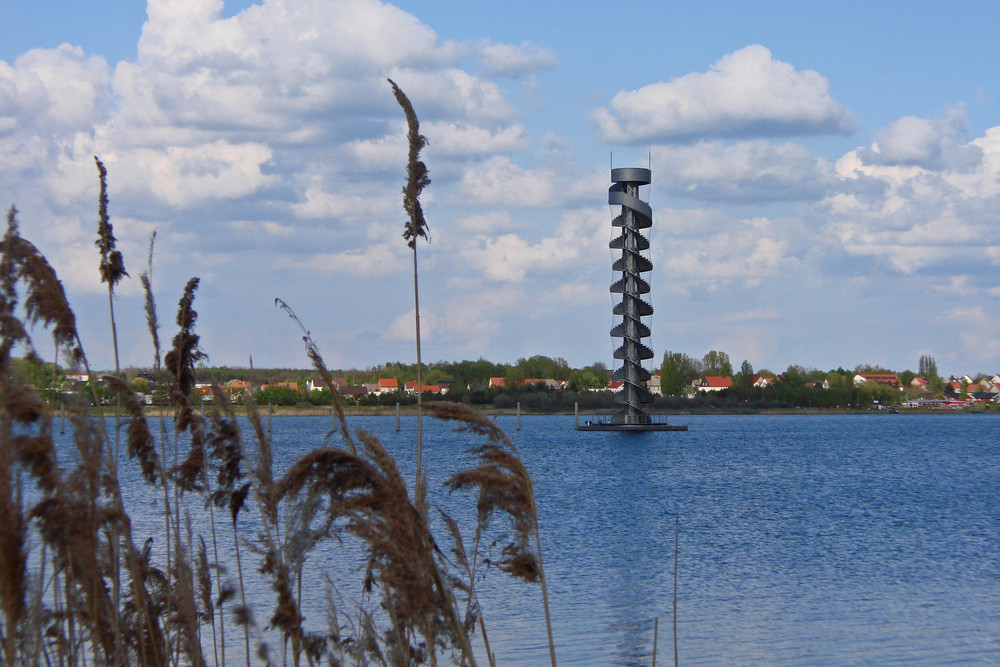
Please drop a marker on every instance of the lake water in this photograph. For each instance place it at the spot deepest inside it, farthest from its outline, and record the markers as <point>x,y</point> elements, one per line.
<point>803,539</point>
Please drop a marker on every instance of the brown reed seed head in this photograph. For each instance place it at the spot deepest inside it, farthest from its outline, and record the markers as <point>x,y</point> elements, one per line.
<point>112,263</point>
<point>37,453</point>
<point>204,580</point>
<point>313,352</point>
<point>416,171</point>
<point>182,357</point>
<point>226,449</point>
<point>184,354</point>
<point>140,441</point>
<point>368,493</point>
<point>152,324</point>
<point>45,299</point>
<point>503,486</point>
<point>225,442</point>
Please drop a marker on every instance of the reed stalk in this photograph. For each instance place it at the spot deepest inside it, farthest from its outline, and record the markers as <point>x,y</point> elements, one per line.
<point>415,227</point>
<point>156,616</point>
<point>504,487</point>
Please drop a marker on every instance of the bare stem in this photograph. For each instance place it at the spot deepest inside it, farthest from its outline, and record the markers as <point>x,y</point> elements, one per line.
<point>420,386</point>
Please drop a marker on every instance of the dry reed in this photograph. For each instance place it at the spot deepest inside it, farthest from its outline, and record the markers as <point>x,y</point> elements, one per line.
<point>74,587</point>
<point>416,226</point>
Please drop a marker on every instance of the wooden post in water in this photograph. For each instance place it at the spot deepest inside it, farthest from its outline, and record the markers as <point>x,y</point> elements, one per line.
<point>576,416</point>
<point>519,415</point>
<point>397,416</point>
<point>269,411</point>
<point>656,632</point>
<point>677,529</point>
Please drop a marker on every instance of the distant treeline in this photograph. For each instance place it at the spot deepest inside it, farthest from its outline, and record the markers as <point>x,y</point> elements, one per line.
<point>469,382</point>
<point>475,374</point>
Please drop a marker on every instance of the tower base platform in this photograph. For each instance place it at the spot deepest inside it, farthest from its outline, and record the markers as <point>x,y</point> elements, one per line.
<point>631,428</point>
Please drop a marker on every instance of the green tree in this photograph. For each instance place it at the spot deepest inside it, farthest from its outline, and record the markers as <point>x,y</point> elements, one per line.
<point>515,376</point>
<point>794,376</point>
<point>928,368</point>
<point>677,372</point>
<point>39,374</point>
<point>140,385</point>
<point>717,363</point>
<point>743,381</point>
<point>583,380</point>
<point>277,395</point>
<point>320,397</point>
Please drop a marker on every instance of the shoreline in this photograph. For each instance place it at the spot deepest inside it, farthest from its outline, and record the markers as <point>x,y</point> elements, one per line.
<point>410,411</point>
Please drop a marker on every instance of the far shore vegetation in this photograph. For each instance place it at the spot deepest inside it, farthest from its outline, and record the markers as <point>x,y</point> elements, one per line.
<point>287,390</point>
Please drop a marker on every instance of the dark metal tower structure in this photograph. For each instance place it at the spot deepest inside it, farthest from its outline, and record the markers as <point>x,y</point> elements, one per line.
<point>635,216</point>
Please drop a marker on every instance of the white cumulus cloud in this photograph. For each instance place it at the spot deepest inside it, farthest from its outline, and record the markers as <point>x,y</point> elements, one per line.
<point>749,171</point>
<point>746,94</point>
<point>928,143</point>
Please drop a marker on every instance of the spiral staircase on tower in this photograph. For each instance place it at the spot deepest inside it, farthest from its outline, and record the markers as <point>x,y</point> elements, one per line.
<point>635,216</point>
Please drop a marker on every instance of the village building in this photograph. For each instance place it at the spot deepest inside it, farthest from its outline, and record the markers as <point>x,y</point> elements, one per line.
<point>713,383</point>
<point>387,386</point>
<point>887,379</point>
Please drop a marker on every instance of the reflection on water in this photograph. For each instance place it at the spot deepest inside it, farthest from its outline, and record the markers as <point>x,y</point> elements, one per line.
<point>822,540</point>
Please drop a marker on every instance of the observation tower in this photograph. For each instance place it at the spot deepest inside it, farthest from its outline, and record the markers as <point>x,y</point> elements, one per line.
<point>635,216</point>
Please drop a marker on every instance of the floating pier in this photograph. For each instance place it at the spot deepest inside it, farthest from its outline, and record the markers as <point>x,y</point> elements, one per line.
<point>636,215</point>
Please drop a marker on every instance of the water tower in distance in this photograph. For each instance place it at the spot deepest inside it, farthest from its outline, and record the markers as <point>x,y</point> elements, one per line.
<point>636,215</point>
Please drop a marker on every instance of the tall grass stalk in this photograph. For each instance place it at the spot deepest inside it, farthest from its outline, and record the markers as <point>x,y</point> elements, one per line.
<point>112,269</point>
<point>415,227</point>
<point>504,487</point>
<point>77,587</point>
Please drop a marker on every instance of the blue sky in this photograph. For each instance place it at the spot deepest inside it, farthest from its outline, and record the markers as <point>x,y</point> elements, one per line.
<point>826,176</point>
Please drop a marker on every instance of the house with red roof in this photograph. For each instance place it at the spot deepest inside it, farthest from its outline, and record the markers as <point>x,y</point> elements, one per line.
<point>387,385</point>
<point>713,383</point>
<point>237,387</point>
<point>887,379</point>
<point>410,387</point>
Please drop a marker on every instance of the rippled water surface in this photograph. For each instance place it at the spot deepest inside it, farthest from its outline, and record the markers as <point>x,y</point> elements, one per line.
<point>820,540</point>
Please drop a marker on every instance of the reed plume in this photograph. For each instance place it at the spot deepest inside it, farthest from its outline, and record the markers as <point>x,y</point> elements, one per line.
<point>504,487</point>
<point>180,362</point>
<point>416,226</point>
<point>45,299</point>
<point>141,443</point>
<point>226,452</point>
<point>112,264</point>
<point>146,278</point>
<point>185,353</point>
<point>369,494</point>
<point>314,356</point>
